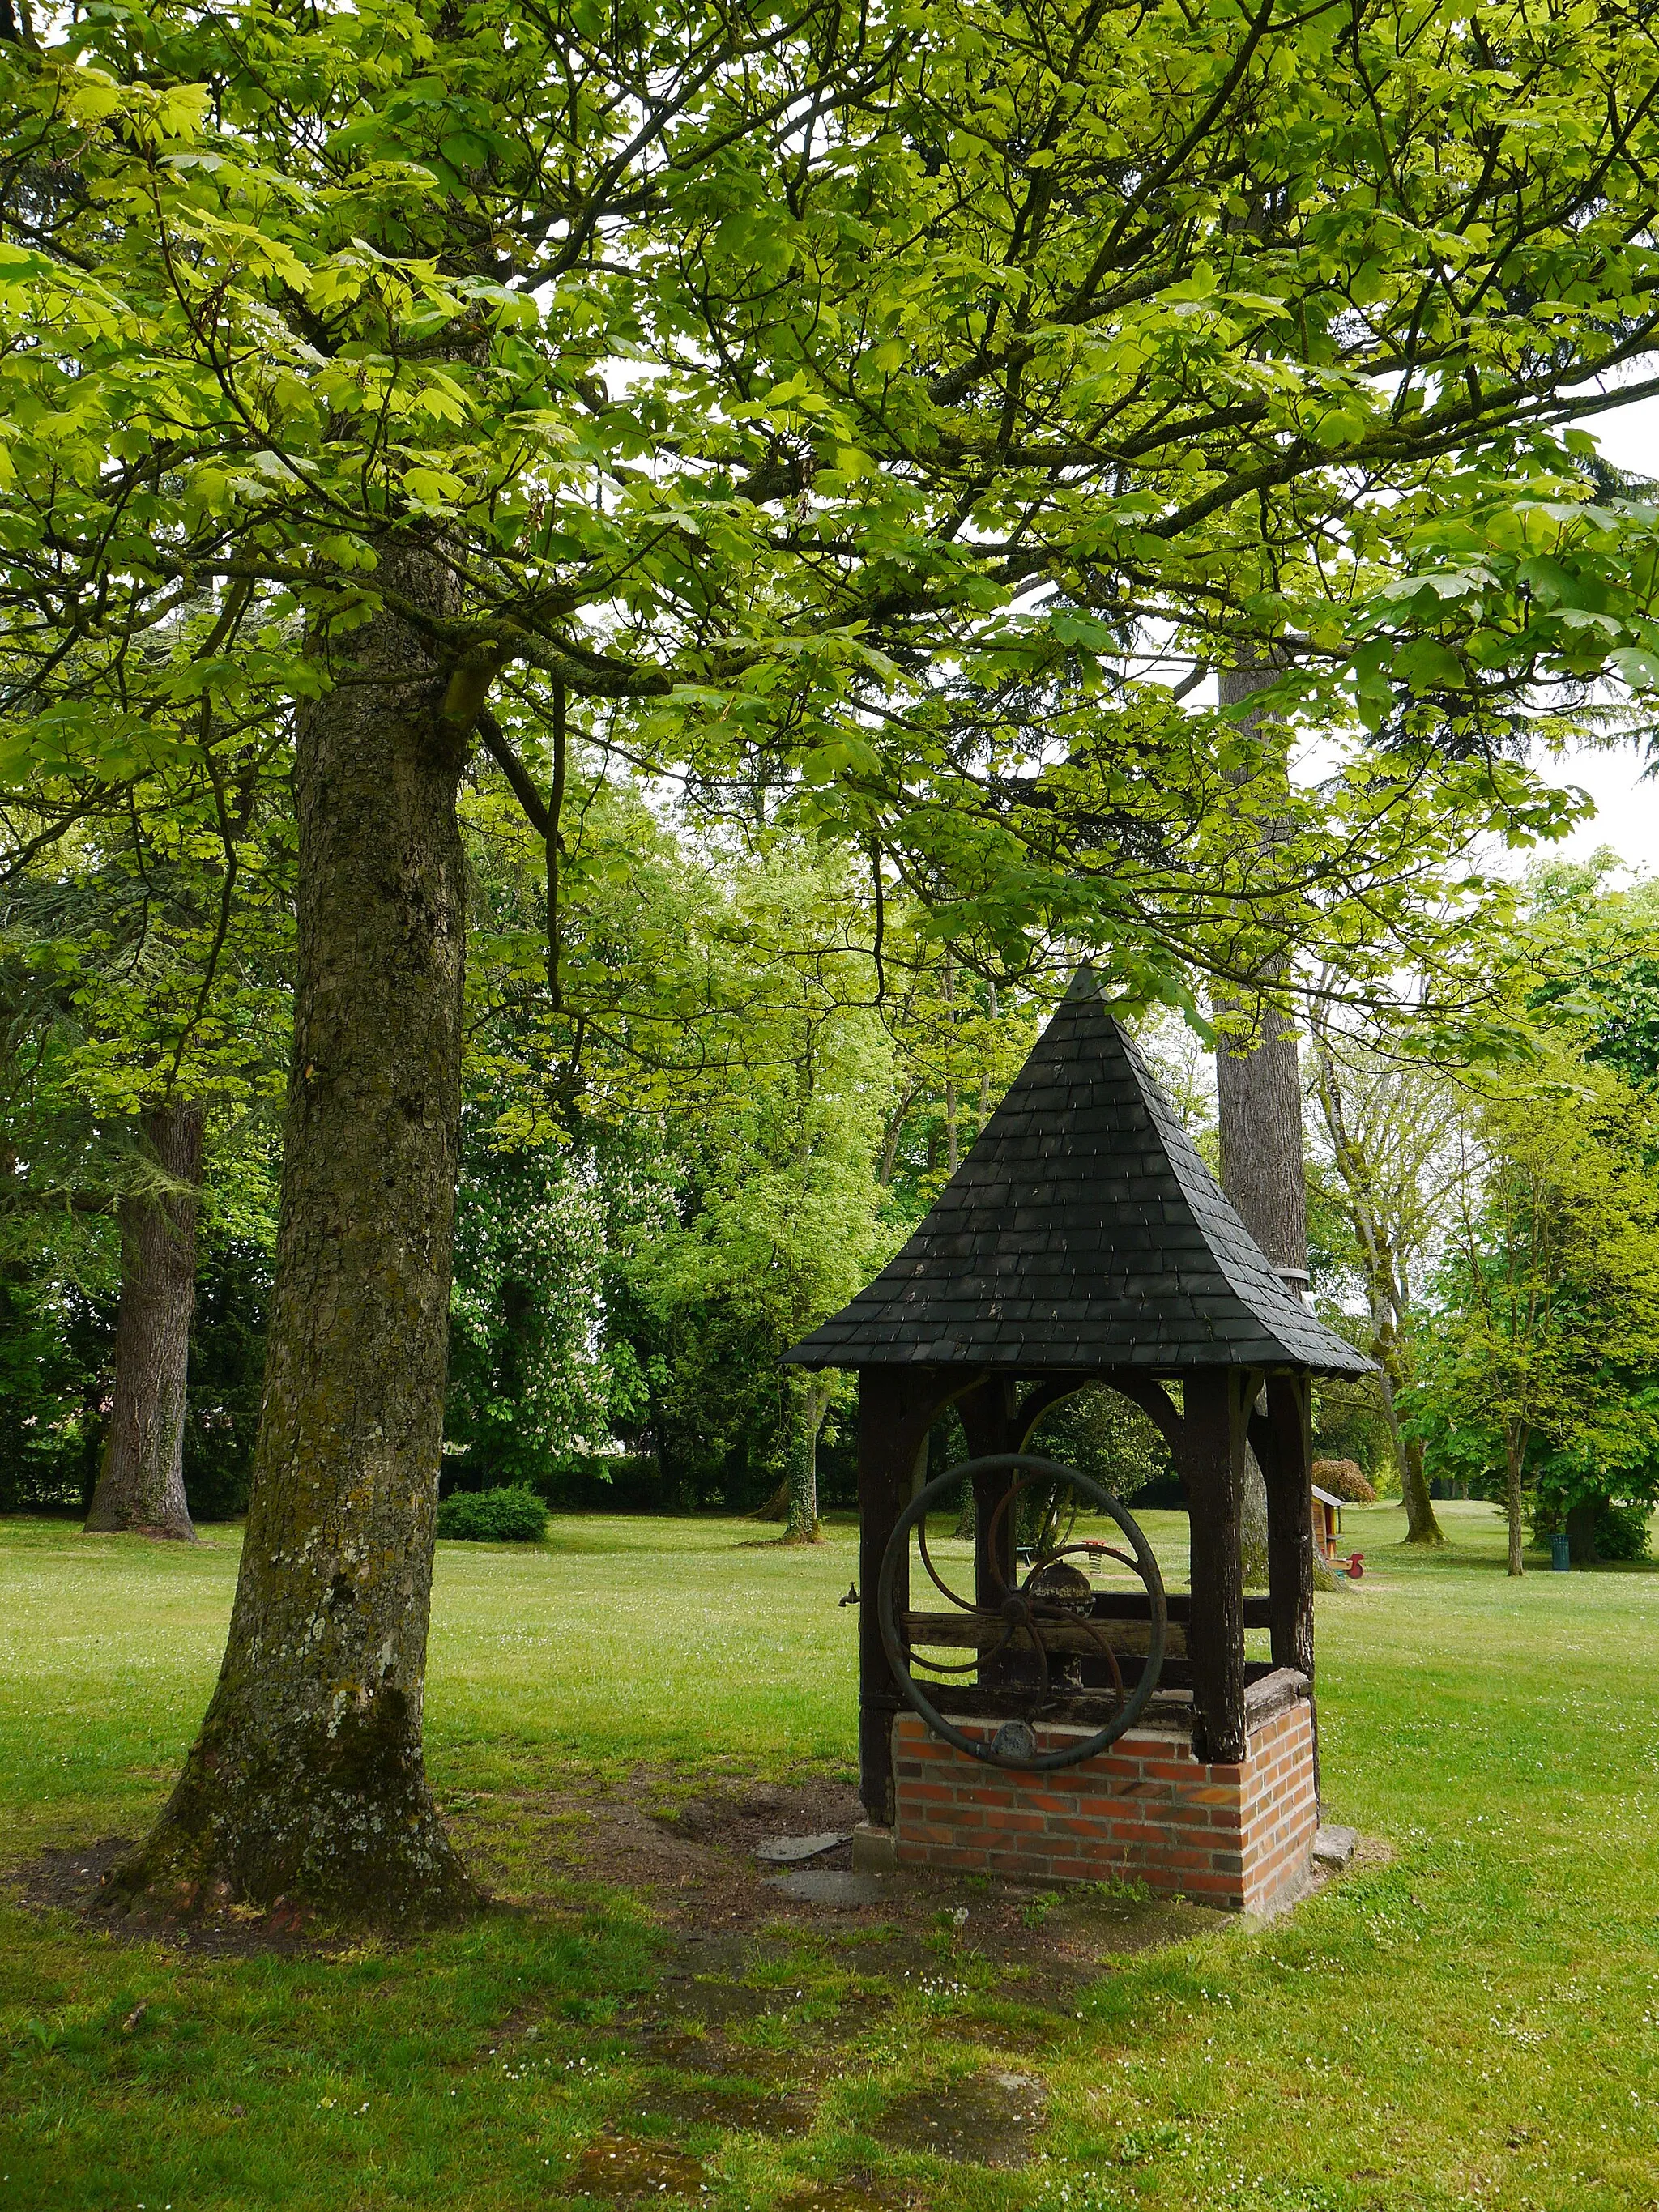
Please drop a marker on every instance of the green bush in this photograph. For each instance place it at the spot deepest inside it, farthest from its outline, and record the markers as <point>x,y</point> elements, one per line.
<point>1623,1532</point>
<point>511,1515</point>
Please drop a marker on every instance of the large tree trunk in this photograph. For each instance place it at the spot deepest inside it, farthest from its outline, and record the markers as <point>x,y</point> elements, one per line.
<point>1422,1524</point>
<point>1583,1519</point>
<point>307,1782</point>
<point>1258,1096</point>
<point>141,1486</point>
<point>1515,1456</point>
<point>807,1419</point>
<point>1259,1093</point>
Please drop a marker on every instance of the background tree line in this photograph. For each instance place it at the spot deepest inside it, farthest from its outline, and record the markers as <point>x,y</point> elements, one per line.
<point>648,1217</point>
<point>650,1211</point>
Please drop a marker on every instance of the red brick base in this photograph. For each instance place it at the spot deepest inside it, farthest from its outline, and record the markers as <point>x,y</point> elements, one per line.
<point>1236,1837</point>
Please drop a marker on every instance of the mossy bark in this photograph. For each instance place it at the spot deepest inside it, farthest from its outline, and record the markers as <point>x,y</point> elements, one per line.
<point>807,1419</point>
<point>1259,1093</point>
<point>1422,1522</point>
<point>141,1484</point>
<point>1259,1103</point>
<point>1252,1522</point>
<point>306,1783</point>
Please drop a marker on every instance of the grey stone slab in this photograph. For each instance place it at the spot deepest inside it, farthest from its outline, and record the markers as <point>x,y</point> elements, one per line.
<point>1335,1847</point>
<point>875,1849</point>
<point>790,1850</point>
<point>828,1885</point>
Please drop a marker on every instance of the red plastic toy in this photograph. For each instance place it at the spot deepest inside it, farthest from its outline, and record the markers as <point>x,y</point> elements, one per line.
<point>1356,1567</point>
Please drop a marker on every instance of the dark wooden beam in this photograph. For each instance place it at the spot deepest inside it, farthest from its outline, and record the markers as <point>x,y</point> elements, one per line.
<point>1090,1709</point>
<point>1210,1452</point>
<point>969,1631</point>
<point>1124,1620</point>
<point>896,1407</point>
<point>1287,1468</point>
<point>992,1423</point>
<point>1135,1605</point>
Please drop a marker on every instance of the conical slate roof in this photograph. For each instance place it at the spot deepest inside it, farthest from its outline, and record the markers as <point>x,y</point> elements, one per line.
<point>1082,1231</point>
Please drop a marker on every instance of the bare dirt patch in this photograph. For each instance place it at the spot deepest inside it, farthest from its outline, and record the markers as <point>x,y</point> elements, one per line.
<point>857,2192</point>
<point>70,1876</point>
<point>705,2101</point>
<point>688,1853</point>
<point>624,2170</point>
<point>739,1818</point>
<point>982,2119</point>
<point>74,1879</point>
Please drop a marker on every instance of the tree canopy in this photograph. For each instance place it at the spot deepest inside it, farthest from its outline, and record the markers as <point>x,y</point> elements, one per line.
<point>744,365</point>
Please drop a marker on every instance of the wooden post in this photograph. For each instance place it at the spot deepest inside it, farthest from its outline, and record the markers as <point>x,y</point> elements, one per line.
<point>1289,1471</point>
<point>988,1424</point>
<point>897,1406</point>
<point>1211,1458</point>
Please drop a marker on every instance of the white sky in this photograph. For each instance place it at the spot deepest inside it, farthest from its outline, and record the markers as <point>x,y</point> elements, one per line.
<point>1627,808</point>
<point>1626,804</point>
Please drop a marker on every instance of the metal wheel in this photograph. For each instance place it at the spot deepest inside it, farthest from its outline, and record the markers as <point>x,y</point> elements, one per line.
<point>1045,1615</point>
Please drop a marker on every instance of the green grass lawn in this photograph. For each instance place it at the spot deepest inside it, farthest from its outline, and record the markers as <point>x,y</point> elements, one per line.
<point>1475,2023</point>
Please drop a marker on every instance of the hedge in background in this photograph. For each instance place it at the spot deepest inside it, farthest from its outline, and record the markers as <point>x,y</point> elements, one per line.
<point>511,1515</point>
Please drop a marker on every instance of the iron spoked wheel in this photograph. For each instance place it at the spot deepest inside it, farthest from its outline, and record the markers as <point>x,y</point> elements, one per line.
<point>1025,1608</point>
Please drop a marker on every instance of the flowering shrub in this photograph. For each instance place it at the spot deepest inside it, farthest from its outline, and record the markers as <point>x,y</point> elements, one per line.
<point>528,1377</point>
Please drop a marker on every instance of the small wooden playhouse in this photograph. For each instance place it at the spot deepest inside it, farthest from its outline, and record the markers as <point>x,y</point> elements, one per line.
<point>1083,1241</point>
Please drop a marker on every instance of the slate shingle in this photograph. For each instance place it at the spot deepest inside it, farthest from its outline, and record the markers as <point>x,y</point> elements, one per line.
<point>1082,1231</point>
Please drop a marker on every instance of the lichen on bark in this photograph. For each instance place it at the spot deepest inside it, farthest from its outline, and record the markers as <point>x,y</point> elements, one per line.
<point>307,1781</point>
<point>808,1403</point>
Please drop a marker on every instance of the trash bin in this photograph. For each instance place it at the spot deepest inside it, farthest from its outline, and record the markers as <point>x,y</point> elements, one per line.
<point>1561,1555</point>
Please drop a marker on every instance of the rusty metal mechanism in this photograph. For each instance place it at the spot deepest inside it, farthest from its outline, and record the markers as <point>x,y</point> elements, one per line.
<point>1034,1639</point>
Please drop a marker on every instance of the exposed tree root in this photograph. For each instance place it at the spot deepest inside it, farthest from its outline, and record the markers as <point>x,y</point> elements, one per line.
<point>152,1532</point>
<point>346,1831</point>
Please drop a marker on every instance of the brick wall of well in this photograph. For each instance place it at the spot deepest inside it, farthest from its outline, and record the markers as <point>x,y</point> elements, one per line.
<point>1236,1837</point>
